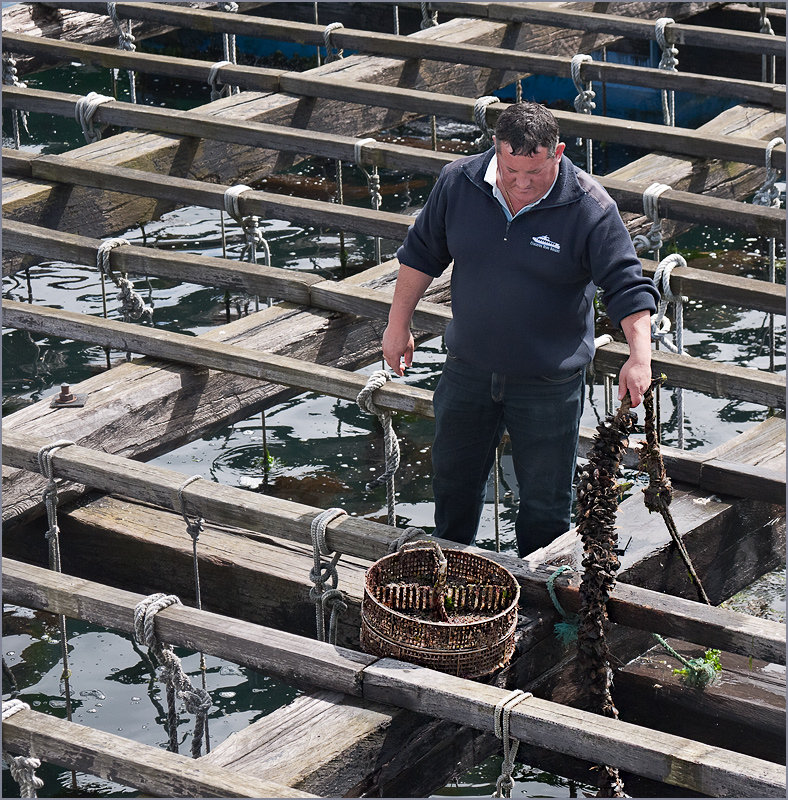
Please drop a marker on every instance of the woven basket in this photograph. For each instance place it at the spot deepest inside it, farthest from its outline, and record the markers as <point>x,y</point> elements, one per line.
<point>401,615</point>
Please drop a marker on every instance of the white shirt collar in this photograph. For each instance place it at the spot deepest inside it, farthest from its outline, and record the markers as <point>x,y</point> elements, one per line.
<point>490,177</point>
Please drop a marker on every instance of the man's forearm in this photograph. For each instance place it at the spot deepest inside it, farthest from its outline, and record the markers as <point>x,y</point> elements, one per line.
<point>410,287</point>
<point>637,329</point>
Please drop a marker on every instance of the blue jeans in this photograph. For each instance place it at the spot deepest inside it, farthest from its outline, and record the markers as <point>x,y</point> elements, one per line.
<point>542,415</point>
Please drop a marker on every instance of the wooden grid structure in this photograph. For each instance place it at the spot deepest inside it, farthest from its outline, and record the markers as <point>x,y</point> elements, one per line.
<point>140,173</point>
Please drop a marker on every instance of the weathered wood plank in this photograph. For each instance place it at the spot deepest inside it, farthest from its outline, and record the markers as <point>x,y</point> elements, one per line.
<point>743,709</point>
<point>142,766</point>
<point>653,611</point>
<point>660,756</point>
<point>762,445</point>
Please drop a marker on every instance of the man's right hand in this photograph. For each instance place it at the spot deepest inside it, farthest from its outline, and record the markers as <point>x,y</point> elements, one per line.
<point>398,346</point>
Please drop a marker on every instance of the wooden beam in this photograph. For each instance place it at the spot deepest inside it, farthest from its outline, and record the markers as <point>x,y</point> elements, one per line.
<point>628,27</point>
<point>629,605</point>
<point>577,733</point>
<point>142,766</point>
<point>673,204</point>
<point>518,62</point>
<point>721,380</point>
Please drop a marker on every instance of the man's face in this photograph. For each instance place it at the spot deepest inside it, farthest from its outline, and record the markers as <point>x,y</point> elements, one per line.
<point>524,179</point>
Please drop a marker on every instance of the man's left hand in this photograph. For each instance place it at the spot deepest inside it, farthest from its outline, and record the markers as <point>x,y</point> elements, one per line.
<point>635,378</point>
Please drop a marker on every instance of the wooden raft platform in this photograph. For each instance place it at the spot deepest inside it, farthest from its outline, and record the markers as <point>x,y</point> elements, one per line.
<point>394,728</point>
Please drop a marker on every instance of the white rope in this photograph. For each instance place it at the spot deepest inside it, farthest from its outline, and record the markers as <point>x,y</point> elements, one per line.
<point>502,712</point>
<point>768,63</point>
<point>653,239</point>
<point>132,305</point>
<point>84,111</point>
<point>45,467</point>
<point>322,573</point>
<point>480,117</point>
<point>22,768</point>
<point>10,707</point>
<point>668,62</point>
<point>250,225</point>
<point>197,701</point>
<point>365,402</point>
<point>769,194</point>
<point>332,53</point>
<point>357,147</point>
<point>429,17</point>
<point>125,42</point>
<point>228,40</point>
<point>10,79</point>
<point>216,92</point>
<point>584,103</point>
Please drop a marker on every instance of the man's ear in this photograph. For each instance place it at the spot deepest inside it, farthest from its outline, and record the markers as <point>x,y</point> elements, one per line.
<point>559,149</point>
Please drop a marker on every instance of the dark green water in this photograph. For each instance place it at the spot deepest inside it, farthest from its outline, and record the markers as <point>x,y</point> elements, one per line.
<point>323,450</point>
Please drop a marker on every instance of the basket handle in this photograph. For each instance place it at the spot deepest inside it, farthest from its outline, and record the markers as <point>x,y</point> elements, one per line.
<point>440,581</point>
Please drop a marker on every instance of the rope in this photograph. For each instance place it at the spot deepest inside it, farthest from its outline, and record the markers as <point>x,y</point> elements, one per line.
<point>125,42</point>
<point>698,672</point>
<point>216,92</point>
<point>658,494</point>
<point>501,714</point>
<point>10,79</point>
<point>332,53</point>
<point>768,63</point>
<point>410,533</point>
<point>566,630</point>
<point>321,573</point>
<point>373,183</point>
<point>653,239</point>
<point>170,672</point>
<point>228,43</point>
<point>769,194</point>
<point>391,446</point>
<point>668,62</point>
<point>480,117</point>
<point>584,103</point>
<point>84,111</point>
<point>23,768</point>
<point>429,17</point>
<point>660,324</point>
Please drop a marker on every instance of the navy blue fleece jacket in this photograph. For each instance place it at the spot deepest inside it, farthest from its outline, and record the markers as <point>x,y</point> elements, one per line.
<point>522,291</point>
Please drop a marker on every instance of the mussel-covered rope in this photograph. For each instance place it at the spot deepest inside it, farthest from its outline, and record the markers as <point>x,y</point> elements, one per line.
<point>668,62</point>
<point>22,768</point>
<point>480,117</point>
<point>658,494</point>
<point>125,42</point>
<point>19,117</point>
<point>501,714</point>
<point>196,700</point>
<point>597,504</point>
<point>365,402</point>
<point>584,103</point>
<point>194,527</point>
<point>321,573</point>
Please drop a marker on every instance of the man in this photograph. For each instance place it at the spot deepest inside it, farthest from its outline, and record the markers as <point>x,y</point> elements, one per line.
<point>531,236</point>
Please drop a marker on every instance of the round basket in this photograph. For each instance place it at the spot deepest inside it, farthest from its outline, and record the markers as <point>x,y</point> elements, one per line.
<point>401,615</point>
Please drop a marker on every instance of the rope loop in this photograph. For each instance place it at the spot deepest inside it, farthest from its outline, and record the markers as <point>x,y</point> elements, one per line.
<point>357,146</point>
<point>332,53</point>
<point>10,79</point>
<point>194,525</point>
<point>766,25</point>
<point>660,323</point>
<point>480,117</point>
<point>669,51</point>
<point>769,194</point>
<point>321,573</point>
<point>429,16</point>
<point>125,38</point>
<point>230,8</point>
<point>10,707</point>
<point>653,239</point>
<point>231,200</point>
<point>23,771</point>
<point>144,617</point>
<point>501,714</point>
<point>84,112</point>
<point>410,533</point>
<point>102,256</point>
<point>584,102</point>
<point>132,305</point>
<point>216,92</point>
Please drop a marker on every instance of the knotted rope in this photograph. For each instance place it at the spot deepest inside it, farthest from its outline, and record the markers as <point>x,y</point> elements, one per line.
<point>429,16</point>
<point>501,714</point>
<point>409,533</point>
<point>658,494</point>
<point>332,53</point>
<point>49,496</point>
<point>228,42</point>
<point>653,239</point>
<point>373,183</point>
<point>23,768</point>
<point>10,79</point>
<point>170,672</point>
<point>698,672</point>
<point>480,117</point>
<point>668,62</point>
<point>84,111</point>
<point>125,42</point>
<point>390,443</point>
<point>322,572</point>
<point>768,63</point>
<point>213,80</point>
<point>566,630</point>
<point>584,103</point>
<point>660,324</point>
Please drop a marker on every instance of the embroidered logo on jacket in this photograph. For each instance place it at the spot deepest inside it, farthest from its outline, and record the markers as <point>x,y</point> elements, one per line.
<point>546,243</point>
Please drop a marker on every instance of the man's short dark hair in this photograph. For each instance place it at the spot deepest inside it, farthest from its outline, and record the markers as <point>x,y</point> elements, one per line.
<point>526,127</point>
